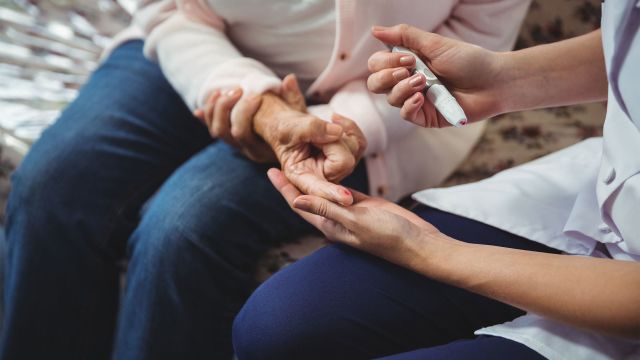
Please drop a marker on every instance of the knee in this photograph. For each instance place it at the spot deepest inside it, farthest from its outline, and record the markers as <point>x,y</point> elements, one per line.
<point>294,314</point>
<point>263,329</point>
<point>178,228</point>
<point>38,184</point>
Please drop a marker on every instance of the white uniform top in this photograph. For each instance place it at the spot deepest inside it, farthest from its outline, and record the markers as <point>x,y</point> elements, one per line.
<point>583,200</point>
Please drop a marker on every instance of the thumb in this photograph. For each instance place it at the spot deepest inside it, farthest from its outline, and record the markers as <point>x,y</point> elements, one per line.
<point>319,132</point>
<point>292,94</point>
<point>325,208</point>
<point>410,37</point>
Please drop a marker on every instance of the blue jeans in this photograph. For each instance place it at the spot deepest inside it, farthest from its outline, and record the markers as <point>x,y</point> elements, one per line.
<point>74,215</point>
<point>341,303</point>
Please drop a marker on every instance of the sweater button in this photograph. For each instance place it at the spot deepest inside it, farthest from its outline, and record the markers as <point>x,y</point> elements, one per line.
<point>343,56</point>
<point>381,190</point>
<point>604,229</point>
<point>610,177</point>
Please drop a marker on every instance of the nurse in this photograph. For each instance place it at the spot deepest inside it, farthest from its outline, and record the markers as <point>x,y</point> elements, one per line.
<point>537,261</point>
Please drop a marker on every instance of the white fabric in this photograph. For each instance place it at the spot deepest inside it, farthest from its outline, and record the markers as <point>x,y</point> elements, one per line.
<point>572,200</point>
<point>203,45</point>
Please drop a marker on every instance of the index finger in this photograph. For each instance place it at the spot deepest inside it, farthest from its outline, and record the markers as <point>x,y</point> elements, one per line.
<point>290,193</point>
<point>408,36</point>
<point>386,60</point>
<point>310,183</point>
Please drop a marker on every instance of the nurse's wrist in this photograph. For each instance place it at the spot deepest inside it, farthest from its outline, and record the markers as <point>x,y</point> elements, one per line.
<point>506,82</point>
<point>429,254</point>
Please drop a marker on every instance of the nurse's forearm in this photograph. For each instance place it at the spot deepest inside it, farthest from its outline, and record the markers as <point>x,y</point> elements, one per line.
<point>563,73</point>
<point>597,294</point>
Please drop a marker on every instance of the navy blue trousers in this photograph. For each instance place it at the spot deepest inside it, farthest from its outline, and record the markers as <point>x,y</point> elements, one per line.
<point>74,216</point>
<point>342,303</point>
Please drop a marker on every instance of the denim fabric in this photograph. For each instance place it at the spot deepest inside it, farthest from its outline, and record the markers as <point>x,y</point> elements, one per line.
<point>341,303</point>
<point>74,215</point>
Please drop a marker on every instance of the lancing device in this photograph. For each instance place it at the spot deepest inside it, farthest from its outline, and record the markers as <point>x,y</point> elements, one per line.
<point>437,93</point>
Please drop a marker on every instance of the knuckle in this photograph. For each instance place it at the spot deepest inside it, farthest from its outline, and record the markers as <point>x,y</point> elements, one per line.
<point>349,162</point>
<point>373,60</point>
<point>322,209</point>
<point>404,112</point>
<point>393,100</point>
<point>372,85</point>
<point>225,103</point>
<point>239,133</point>
<point>370,64</point>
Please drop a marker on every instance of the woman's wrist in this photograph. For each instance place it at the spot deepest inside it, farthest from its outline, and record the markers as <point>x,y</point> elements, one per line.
<point>428,253</point>
<point>505,83</point>
<point>265,119</point>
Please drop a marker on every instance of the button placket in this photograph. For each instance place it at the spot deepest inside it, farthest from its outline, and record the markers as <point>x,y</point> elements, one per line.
<point>608,179</point>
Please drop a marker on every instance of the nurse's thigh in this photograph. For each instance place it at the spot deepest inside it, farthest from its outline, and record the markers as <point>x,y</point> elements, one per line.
<point>341,302</point>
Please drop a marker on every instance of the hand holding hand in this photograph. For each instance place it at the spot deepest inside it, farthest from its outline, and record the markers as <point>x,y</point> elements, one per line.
<point>371,224</point>
<point>229,117</point>
<point>470,72</point>
<point>314,154</point>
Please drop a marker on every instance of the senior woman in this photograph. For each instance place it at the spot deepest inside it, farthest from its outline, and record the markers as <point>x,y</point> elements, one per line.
<point>537,261</point>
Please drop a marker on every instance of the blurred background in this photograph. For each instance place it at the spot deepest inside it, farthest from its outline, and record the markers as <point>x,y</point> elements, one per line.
<point>49,48</point>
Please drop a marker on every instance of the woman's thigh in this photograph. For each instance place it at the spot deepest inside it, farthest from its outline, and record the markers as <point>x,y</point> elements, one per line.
<point>342,303</point>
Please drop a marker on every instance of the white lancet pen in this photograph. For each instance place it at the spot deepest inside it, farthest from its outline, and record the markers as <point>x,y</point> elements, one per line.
<point>436,92</point>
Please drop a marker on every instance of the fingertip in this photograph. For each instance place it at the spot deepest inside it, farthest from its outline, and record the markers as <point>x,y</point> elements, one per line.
<point>333,130</point>
<point>275,176</point>
<point>302,202</point>
<point>337,118</point>
<point>358,196</point>
<point>347,201</point>
<point>213,97</point>
<point>289,83</point>
<point>417,98</point>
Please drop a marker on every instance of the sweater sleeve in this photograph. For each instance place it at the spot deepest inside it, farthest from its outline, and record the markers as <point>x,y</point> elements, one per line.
<point>492,24</point>
<point>188,40</point>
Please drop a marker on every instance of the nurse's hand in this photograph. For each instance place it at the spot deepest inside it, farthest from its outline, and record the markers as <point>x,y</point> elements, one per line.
<point>469,72</point>
<point>371,224</point>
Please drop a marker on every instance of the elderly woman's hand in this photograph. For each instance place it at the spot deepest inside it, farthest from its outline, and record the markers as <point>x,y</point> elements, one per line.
<point>371,224</point>
<point>472,74</point>
<point>229,117</point>
<point>314,154</point>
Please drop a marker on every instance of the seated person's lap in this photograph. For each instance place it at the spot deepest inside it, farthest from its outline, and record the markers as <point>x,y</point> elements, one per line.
<point>340,302</point>
<point>77,197</point>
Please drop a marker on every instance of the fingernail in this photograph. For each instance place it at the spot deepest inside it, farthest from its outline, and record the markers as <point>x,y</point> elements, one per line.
<point>406,60</point>
<point>334,130</point>
<point>416,80</point>
<point>416,98</point>
<point>346,192</point>
<point>232,92</point>
<point>378,28</point>
<point>400,74</point>
<point>302,204</point>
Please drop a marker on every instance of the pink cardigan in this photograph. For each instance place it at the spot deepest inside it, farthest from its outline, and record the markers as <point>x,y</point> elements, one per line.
<point>189,40</point>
